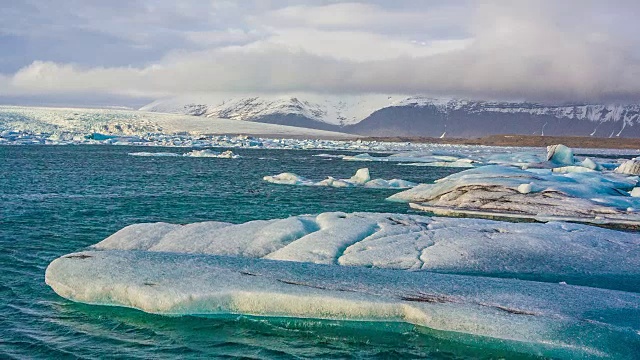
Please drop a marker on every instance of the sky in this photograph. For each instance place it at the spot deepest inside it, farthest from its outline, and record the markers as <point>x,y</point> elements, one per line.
<point>133,51</point>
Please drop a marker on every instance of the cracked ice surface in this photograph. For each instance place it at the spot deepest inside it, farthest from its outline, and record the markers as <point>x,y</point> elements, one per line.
<point>405,242</point>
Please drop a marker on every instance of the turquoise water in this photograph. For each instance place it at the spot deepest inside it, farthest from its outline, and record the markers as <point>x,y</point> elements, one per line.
<point>56,200</point>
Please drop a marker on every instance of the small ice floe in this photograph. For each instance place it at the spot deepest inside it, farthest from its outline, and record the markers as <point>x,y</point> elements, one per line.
<point>150,154</point>
<point>425,273</point>
<point>502,191</point>
<point>228,154</point>
<point>361,178</point>
<point>416,158</point>
<point>194,153</point>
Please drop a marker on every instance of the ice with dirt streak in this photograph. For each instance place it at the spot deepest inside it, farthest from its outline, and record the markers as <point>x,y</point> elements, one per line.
<point>532,192</point>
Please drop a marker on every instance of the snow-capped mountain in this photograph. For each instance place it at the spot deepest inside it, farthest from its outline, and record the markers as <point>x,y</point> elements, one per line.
<point>330,109</point>
<point>397,115</point>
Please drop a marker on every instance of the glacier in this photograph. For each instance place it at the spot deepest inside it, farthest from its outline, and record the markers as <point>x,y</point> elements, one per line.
<point>427,271</point>
<point>402,115</point>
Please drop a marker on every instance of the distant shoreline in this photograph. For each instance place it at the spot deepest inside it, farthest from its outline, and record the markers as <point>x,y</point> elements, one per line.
<point>524,141</point>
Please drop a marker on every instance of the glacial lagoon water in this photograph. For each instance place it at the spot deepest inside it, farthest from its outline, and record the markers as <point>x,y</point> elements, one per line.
<point>59,199</point>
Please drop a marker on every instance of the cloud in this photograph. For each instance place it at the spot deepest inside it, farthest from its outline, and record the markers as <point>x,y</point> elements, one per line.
<point>538,51</point>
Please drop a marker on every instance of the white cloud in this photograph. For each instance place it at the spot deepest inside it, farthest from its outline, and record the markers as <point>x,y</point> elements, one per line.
<point>530,50</point>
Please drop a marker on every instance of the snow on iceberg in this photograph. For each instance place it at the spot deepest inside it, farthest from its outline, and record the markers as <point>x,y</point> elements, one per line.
<point>361,178</point>
<point>186,270</point>
<point>557,251</point>
<point>503,191</point>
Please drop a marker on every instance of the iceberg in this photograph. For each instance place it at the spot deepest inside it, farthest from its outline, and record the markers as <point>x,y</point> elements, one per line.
<point>631,167</point>
<point>537,194</point>
<point>560,154</point>
<point>212,154</point>
<point>362,178</point>
<point>150,154</point>
<point>558,251</point>
<point>228,154</point>
<point>416,158</point>
<point>288,179</point>
<point>427,271</point>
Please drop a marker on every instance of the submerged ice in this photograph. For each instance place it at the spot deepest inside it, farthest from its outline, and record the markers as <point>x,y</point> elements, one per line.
<point>356,267</point>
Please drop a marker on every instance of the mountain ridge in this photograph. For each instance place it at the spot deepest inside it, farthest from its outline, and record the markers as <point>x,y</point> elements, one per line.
<point>397,115</point>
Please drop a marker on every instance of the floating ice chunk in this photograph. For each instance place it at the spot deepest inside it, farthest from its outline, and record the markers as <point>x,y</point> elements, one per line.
<point>631,167</point>
<point>228,154</point>
<point>524,188</point>
<point>329,156</point>
<point>462,163</point>
<point>571,168</point>
<point>159,154</point>
<point>560,154</point>
<point>590,164</point>
<point>333,182</point>
<point>363,157</point>
<point>543,319</point>
<point>496,189</point>
<point>361,178</point>
<point>416,158</point>
<point>390,184</point>
<point>288,179</point>
<point>635,192</point>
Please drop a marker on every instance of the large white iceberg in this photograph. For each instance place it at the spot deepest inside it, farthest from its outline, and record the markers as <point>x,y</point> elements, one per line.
<point>499,190</point>
<point>362,177</point>
<point>558,251</point>
<point>380,267</point>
